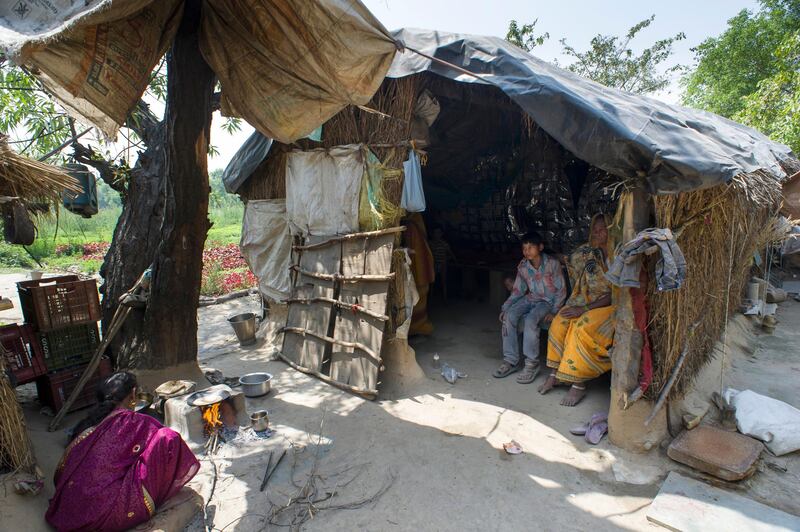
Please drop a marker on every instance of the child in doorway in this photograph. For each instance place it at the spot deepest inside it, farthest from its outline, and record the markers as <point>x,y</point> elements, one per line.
<point>538,294</point>
<point>441,254</point>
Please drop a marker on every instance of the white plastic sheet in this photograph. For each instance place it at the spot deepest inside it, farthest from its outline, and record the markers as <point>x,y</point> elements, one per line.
<point>267,246</point>
<point>322,190</point>
<point>413,199</point>
<point>774,422</point>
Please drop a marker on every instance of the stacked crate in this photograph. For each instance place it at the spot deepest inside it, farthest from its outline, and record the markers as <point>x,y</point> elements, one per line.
<point>62,313</point>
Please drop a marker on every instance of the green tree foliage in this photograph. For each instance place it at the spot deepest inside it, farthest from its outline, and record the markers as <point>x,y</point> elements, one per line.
<point>730,67</point>
<point>524,36</point>
<point>610,60</point>
<point>28,115</point>
<point>774,107</point>
<point>749,73</point>
<point>219,197</point>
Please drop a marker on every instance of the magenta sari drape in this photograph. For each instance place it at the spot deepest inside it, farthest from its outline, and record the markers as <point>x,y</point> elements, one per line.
<point>115,475</point>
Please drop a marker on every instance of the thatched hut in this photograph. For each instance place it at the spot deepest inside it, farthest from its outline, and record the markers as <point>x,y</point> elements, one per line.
<point>518,144</point>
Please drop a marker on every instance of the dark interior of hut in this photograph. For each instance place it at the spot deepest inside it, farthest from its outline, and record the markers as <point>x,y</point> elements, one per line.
<point>490,176</point>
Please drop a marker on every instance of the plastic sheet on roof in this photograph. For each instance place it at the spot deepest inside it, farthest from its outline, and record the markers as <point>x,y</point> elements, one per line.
<point>673,148</point>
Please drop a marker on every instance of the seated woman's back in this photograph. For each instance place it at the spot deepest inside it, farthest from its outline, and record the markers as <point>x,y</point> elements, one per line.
<point>116,472</point>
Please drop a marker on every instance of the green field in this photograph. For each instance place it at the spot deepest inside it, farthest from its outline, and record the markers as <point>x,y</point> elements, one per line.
<point>67,230</point>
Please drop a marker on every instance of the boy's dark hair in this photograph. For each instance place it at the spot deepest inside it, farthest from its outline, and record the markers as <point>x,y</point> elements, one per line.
<point>532,238</point>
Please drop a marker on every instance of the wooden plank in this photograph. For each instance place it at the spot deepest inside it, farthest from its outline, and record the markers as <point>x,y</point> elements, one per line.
<point>370,256</point>
<point>309,351</point>
<point>691,506</point>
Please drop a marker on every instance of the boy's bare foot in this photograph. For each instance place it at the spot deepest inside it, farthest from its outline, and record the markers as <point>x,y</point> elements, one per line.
<point>549,384</point>
<point>574,396</point>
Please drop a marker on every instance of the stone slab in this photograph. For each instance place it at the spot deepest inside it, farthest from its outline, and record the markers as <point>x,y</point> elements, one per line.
<point>688,505</point>
<point>728,455</point>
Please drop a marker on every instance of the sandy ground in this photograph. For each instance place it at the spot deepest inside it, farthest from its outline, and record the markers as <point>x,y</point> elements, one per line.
<point>438,447</point>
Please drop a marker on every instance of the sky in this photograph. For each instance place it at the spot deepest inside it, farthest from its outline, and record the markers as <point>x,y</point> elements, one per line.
<point>575,20</point>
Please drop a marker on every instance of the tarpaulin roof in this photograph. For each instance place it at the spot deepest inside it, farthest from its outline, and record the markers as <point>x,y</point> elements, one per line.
<point>285,66</point>
<point>674,148</point>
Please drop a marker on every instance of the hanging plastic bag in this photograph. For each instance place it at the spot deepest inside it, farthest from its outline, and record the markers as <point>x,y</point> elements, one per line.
<point>413,199</point>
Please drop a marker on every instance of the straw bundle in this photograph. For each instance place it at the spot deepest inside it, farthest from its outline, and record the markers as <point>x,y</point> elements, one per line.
<point>394,103</point>
<point>31,180</point>
<point>15,447</point>
<point>716,228</point>
<point>268,181</point>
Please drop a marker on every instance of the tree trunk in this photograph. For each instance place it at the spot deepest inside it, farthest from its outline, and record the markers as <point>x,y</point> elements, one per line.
<point>165,220</point>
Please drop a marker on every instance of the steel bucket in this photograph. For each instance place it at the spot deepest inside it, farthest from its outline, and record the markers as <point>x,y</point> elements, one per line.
<point>244,325</point>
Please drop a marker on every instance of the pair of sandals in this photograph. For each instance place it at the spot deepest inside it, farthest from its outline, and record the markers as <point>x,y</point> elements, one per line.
<point>594,429</point>
<point>528,375</point>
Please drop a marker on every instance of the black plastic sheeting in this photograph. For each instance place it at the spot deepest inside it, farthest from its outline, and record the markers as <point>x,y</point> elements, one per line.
<point>674,148</point>
<point>245,161</point>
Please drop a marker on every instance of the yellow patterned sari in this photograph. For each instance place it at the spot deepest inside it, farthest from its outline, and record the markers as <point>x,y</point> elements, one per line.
<point>578,348</point>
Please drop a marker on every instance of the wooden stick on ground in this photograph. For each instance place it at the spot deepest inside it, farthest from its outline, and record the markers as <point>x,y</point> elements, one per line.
<point>266,473</point>
<point>116,324</point>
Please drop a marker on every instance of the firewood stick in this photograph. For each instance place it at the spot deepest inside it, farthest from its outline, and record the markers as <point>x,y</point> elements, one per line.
<point>266,473</point>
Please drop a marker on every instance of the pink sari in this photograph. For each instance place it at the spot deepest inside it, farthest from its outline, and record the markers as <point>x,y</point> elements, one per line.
<point>113,476</point>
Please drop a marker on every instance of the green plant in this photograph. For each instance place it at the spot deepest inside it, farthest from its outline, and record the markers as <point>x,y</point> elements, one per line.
<point>12,256</point>
<point>211,283</point>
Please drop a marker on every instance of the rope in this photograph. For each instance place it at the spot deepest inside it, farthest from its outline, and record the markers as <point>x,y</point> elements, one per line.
<point>727,308</point>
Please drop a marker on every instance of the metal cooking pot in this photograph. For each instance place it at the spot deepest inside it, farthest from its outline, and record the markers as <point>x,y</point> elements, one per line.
<point>255,384</point>
<point>259,420</point>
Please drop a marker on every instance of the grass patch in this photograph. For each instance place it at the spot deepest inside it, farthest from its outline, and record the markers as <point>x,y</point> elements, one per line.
<point>61,239</point>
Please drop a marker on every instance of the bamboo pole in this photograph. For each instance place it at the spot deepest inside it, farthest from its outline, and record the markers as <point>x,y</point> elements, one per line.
<point>350,236</point>
<point>336,277</point>
<point>368,394</point>
<point>120,315</point>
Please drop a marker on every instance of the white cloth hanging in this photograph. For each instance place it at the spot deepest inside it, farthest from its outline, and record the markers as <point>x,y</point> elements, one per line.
<point>322,190</point>
<point>266,246</point>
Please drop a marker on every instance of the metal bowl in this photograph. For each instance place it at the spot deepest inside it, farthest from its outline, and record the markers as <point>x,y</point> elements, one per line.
<point>255,384</point>
<point>259,420</point>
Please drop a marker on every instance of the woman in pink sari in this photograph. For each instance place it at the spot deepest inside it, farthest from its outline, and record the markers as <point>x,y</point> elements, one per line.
<point>120,466</point>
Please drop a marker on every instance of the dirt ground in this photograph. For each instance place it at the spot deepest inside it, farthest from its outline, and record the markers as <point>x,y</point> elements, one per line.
<point>436,448</point>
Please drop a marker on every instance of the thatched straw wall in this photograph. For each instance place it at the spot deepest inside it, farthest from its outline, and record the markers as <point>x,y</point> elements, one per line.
<point>268,181</point>
<point>719,231</point>
<point>16,452</point>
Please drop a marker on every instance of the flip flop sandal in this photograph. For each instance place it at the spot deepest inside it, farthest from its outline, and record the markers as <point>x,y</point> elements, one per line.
<point>504,370</point>
<point>596,432</point>
<point>583,429</point>
<point>527,377</point>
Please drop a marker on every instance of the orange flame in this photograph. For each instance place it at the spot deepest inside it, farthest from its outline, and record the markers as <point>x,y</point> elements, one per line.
<point>211,417</point>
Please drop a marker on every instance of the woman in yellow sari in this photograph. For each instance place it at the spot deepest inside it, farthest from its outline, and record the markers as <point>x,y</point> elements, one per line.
<point>582,334</point>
